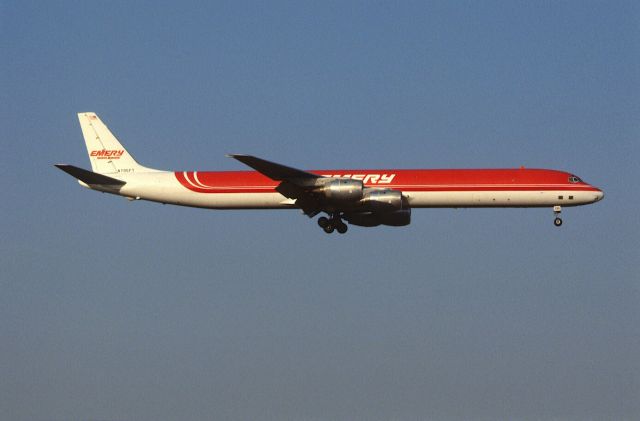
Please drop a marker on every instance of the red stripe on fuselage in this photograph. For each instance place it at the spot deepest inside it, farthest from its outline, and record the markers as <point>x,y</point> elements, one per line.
<point>404,180</point>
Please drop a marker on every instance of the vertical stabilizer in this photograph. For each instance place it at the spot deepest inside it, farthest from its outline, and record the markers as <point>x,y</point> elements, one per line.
<point>106,153</point>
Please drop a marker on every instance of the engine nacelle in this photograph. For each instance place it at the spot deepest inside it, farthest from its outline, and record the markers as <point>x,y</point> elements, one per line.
<point>381,207</point>
<point>382,200</point>
<point>397,218</point>
<point>342,190</point>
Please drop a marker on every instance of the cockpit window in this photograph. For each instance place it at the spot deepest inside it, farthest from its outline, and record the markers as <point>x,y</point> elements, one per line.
<point>573,179</point>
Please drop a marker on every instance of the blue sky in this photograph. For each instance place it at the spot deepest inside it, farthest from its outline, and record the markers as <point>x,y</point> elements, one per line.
<point>113,310</point>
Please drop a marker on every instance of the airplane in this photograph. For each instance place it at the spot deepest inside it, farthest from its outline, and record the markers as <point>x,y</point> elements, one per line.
<point>365,198</point>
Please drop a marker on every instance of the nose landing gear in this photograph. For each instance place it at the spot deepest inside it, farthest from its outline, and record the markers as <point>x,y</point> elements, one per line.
<point>335,223</point>
<point>556,211</point>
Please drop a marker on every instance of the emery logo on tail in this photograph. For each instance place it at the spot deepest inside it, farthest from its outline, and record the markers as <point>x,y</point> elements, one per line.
<point>104,153</point>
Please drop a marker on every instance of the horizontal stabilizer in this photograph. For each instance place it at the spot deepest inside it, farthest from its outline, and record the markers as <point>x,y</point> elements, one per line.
<point>90,177</point>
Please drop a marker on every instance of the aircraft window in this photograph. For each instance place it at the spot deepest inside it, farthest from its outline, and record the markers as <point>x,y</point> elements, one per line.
<point>573,179</point>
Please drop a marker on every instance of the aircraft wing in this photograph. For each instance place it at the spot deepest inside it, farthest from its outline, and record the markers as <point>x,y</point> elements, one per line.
<point>275,171</point>
<point>294,183</point>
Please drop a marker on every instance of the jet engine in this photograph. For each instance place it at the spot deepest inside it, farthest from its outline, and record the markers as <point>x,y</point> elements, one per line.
<point>342,190</point>
<point>381,207</point>
<point>381,200</point>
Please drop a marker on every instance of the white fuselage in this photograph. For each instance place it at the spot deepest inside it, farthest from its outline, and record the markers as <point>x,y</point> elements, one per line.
<point>164,187</point>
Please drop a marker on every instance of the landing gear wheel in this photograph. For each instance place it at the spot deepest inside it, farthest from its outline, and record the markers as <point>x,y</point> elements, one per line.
<point>333,223</point>
<point>556,211</point>
<point>342,227</point>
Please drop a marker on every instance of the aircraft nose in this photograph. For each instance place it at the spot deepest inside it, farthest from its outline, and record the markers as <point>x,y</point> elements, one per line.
<point>599,195</point>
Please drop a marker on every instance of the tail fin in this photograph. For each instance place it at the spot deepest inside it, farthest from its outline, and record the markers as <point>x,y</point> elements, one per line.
<point>106,154</point>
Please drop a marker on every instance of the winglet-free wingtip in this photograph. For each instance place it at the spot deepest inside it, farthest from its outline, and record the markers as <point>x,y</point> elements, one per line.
<point>273,170</point>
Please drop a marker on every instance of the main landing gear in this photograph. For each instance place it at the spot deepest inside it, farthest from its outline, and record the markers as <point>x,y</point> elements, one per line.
<point>335,223</point>
<point>556,211</point>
